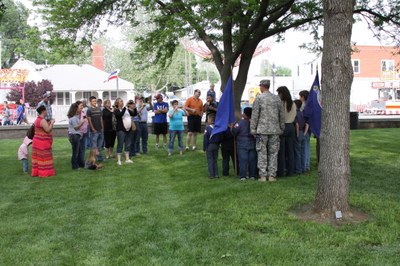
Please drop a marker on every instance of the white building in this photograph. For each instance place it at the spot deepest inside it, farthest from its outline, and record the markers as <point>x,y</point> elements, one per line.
<point>74,82</point>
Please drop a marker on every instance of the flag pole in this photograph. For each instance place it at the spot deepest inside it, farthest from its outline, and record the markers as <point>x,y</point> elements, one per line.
<point>234,137</point>
<point>117,86</point>
<point>317,146</point>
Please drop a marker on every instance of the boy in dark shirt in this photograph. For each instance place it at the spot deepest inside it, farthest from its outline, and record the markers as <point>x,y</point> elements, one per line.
<point>95,119</point>
<point>211,146</point>
<point>228,152</point>
<point>246,147</point>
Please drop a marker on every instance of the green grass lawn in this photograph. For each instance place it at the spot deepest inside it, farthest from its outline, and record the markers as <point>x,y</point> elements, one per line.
<point>164,210</point>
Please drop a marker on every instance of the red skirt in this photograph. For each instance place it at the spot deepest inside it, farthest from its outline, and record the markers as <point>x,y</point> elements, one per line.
<point>42,154</point>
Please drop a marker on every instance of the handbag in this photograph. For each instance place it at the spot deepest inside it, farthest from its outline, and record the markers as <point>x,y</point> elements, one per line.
<point>133,126</point>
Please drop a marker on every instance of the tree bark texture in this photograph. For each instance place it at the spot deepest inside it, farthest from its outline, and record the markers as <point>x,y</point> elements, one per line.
<point>337,76</point>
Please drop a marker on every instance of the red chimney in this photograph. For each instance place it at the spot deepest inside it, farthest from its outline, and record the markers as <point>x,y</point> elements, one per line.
<point>98,56</point>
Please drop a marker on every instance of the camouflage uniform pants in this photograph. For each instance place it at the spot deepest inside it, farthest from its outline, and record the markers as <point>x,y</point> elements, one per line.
<point>267,149</point>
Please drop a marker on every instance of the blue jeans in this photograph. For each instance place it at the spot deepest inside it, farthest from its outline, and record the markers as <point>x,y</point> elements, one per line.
<point>212,159</point>
<point>76,158</point>
<point>25,165</point>
<point>132,148</point>
<point>88,141</point>
<point>247,158</point>
<point>124,138</point>
<point>97,140</point>
<point>83,141</point>
<point>286,151</point>
<point>143,134</point>
<point>299,153</point>
<point>172,135</point>
<point>307,152</point>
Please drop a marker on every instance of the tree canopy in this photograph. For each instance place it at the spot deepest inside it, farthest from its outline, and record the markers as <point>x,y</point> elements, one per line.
<point>231,29</point>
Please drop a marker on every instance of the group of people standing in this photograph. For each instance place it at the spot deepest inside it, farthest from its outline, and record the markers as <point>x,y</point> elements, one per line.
<point>99,125</point>
<point>20,114</point>
<point>281,131</point>
<point>272,137</point>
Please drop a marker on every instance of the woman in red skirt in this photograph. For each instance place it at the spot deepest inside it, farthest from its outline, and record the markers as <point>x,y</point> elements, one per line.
<point>42,155</point>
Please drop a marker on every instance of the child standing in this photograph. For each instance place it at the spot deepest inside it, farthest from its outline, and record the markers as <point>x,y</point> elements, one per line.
<point>300,140</point>
<point>23,154</point>
<point>91,161</point>
<point>246,144</point>
<point>228,152</point>
<point>211,147</point>
<point>175,127</point>
<point>303,98</point>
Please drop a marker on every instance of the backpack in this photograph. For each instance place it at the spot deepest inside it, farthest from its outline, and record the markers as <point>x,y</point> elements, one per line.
<point>31,131</point>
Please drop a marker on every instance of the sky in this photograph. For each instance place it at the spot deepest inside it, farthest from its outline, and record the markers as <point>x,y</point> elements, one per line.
<point>289,54</point>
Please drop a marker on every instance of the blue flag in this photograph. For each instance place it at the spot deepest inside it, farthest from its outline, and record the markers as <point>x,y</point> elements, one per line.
<point>226,111</point>
<point>313,110</point>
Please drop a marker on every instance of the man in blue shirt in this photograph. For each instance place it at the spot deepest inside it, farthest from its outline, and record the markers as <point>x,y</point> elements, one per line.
<point>160,120</point>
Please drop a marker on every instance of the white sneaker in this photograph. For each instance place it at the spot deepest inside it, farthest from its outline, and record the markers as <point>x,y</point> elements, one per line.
<point>157,146</point>
<point>119,163</point>
<point>187,148</point>
<point>194,148</point>
<point>180,152</point>
<point>129,161</point>
<point>169,154</point>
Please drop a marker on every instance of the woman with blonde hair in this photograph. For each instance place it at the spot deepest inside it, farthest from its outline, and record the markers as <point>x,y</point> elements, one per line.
<point>91,161</point>
<point>123,116</point>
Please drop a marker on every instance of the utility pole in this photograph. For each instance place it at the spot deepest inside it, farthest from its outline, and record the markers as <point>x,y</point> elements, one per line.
<point>273,78</point>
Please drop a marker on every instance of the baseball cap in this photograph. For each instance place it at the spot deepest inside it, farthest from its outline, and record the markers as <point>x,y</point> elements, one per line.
<point>265,82</point>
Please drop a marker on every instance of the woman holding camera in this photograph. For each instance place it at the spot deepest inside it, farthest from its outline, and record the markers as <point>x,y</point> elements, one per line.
<point>75,135</point>
<point>124,127</point>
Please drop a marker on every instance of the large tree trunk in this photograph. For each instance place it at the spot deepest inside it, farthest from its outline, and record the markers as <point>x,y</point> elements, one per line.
<point>239,83</point>
<point>337,76</point>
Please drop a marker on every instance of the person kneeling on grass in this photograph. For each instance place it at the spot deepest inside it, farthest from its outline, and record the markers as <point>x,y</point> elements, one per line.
<point>211,147</point>
<point>91,161</point>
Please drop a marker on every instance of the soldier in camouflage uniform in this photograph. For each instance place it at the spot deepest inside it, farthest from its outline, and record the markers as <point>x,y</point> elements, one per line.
<point>267,123</point>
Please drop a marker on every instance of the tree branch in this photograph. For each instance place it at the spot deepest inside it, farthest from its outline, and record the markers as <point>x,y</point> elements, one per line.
<point>389,18</point>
